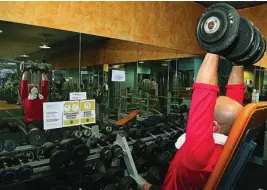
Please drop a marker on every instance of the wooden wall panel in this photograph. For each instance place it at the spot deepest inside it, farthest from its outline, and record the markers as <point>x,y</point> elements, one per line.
<point>164,24</point>
<point>115,52</point>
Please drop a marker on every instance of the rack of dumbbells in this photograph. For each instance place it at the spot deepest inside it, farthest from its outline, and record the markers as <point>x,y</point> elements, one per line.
<point>89,157</point>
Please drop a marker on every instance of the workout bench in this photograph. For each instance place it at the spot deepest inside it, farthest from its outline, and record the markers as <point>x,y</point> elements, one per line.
<point>238,147</point>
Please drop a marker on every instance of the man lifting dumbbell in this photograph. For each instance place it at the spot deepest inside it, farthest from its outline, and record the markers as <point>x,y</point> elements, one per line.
<point>220,31</point>
<point>32,99</point>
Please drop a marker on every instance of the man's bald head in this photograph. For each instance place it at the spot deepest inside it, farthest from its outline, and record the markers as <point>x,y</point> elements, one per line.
<point>225,113</point>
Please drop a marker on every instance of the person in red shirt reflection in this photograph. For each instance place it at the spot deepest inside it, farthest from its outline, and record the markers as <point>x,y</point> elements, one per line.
<point>209,121</point>
<point>32,100</point>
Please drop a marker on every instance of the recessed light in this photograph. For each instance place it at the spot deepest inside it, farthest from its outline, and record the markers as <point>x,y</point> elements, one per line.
<point>1,31</point>
<point>44,46</point>
<point>24,55</point>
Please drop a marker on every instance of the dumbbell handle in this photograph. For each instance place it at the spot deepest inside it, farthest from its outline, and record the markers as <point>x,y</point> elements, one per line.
<point>153,136</point>
<point>132,139</point>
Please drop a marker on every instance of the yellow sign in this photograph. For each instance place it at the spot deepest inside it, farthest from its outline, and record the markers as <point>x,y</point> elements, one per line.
<point>105,67</point>
<point>71,113</point>
<point>87,111</point>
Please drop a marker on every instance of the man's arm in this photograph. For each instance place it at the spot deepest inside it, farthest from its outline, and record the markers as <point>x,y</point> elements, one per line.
<point>236,87</point>
<point>44,85</point>
<point>199,132</point>
<point>24,85</point>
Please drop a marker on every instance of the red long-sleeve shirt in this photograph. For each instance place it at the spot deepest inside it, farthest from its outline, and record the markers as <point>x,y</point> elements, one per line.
<point>33,109</point>
<point>195,160</point>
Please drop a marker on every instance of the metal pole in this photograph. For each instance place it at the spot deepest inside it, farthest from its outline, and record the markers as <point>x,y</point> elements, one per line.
<point>80,57</point>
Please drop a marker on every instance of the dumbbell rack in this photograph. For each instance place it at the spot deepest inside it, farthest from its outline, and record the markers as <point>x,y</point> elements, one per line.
<point>42,166</point>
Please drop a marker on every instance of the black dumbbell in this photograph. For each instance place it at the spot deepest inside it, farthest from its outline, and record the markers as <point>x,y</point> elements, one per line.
<point>116,175</point>
<point>103,182</point>
<point>36,136</point>
<point>155,175</point>
<point>77,134</point>
<point>86,133</point>
<point>7,174</point>
<point>116,149</point>
<point>78,150</point>
<point>139,147</point>
<point>235,41</point>
<point>25,171</point>
<point>59,158</point>
<point>105,152</point>
<point>144,166</point>
<point>54,135</point>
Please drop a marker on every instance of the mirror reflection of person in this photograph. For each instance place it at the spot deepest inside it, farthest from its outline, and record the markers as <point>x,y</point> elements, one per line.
<point>250,87</point>
<point>32,99</point>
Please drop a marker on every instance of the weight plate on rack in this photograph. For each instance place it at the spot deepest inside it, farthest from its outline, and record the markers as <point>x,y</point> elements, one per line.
<point>60,159</point>
<point>9,145</point>
<point>87,133</point>
<point>217,28</point>
<point>40,153</point>
<point>29,155</point>
<point>54,135</point>
<point>127,183</point>
<point>243,43</point>
<point>36,137</point>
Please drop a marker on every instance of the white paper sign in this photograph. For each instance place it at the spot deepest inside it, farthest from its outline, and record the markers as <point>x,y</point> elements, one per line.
<point>53,112</point>
<point>118,76</point>
<point>77,95</point>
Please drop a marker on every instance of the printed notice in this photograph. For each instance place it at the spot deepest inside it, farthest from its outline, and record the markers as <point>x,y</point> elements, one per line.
<point>87,111</point>
<point>71,113</point>
<point>78,96</point>
<point>118,76</point>
<point>105,67</point>
<point>53,112</point>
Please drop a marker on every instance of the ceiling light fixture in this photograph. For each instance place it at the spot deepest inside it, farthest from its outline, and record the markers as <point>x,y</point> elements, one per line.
<point>44,44</point>
<point>1,31</point>
<point>141,61</point>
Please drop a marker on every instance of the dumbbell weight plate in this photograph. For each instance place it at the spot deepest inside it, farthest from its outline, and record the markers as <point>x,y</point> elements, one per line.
<point>54,135</point>
<point>261,50</point>
<point>77,134</point>
<point>127,183</point>
<point>78,150</point>
<point>87,133</point>
<point>115,173</point>
<point>217,28</point>
<point>154,175</point>
<point>243,43</point>
<point>8,175</point>
<point>25,172</point>
<point>59,158</point>
<point>40,153</point>
<point>29,155</point>
<point>36,137</point>
<point>111,187</point>
<point>152,151</point>
<point>82,185</point>
<point>252,55</point>
<point>100,180</point>
<point>106,154</point>
<point>140,164</point>
<point>9,145</point>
